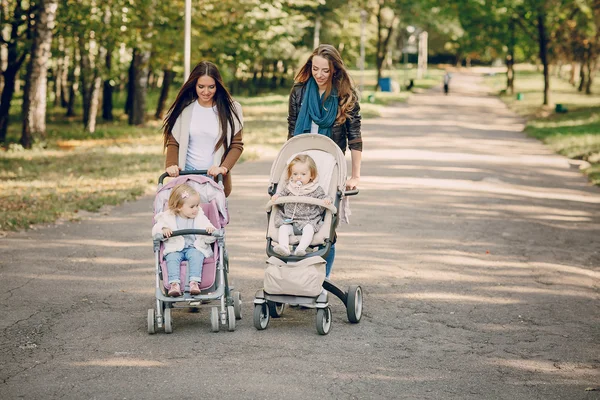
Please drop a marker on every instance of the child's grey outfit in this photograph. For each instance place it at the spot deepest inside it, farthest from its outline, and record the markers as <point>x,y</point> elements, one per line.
<point>302,214</point>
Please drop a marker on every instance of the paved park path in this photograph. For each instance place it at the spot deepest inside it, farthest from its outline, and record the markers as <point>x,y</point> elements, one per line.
<point>478,250</point>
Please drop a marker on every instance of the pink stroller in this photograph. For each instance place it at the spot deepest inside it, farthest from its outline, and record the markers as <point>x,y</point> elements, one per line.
<point>214,285</point>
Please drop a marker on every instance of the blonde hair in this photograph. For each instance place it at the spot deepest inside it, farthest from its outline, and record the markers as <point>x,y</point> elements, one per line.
<point>303,159</point>
<point>178,196</point>
<point>339,78</point>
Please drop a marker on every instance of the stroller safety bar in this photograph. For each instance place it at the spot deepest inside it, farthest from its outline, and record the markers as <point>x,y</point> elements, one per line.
<point>192,172</point>
<point>301,199</point>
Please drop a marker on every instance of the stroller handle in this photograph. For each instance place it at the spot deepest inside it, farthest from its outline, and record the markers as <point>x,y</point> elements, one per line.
<point>191,172</point>
<point>352,192</point>
<point>218,233</point>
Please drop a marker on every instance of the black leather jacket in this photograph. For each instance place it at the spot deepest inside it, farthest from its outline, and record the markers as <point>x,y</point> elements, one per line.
<point>345,135</point>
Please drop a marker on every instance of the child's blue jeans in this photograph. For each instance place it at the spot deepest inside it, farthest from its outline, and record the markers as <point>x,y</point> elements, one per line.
<point>329,261</point>
<point>195,259</point>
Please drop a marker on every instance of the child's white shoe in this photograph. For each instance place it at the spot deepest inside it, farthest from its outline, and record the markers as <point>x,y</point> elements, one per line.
<point>281,250</point>
<point>300,253</point>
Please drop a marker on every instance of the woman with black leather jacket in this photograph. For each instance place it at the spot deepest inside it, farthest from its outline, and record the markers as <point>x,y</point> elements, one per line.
<point>323,101</point>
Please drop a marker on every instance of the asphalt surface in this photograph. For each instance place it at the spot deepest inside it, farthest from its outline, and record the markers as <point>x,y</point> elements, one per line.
<point>478,250</point>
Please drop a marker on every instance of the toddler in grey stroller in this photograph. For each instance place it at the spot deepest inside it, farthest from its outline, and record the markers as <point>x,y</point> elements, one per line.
<point>304,212</point>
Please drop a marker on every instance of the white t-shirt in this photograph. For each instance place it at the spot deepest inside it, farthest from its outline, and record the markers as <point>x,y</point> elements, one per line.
<point>314,128</point>
<point>204,133</point>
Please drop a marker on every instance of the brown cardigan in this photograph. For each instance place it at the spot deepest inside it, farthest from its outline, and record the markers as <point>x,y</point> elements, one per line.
<point>231,156</point>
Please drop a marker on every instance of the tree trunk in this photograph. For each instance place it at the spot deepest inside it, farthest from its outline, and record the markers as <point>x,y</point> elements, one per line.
<point>107,90</point>
<point>13,64</point>
<point>543,42</point>
<point>168,75</point>
<point>36,85</point>
<point>141,62</point>
<point>58,77</point>
<point>94,103</point>
<point>7,95</point>
<point>591,67</point>
<point>85,79</point>
<point>581,77</point>
<point>510,61</point>
<point>382,43</point>
<point>130,84</point>
<point>573,72</point>
<point>64,93</point>
<point>274,76</point>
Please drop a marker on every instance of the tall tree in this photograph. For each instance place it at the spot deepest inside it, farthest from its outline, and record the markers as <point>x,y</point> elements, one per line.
<point>34,96</point>
<point>15,34</point>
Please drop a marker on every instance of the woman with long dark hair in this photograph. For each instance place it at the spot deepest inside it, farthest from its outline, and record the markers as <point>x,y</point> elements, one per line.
<point>324,101</point>
<point>203,128</point>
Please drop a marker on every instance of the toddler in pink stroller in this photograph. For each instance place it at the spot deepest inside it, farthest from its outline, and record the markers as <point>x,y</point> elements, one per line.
<point>206,282</point>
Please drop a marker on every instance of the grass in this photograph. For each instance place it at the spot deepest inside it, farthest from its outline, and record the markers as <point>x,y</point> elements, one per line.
<point>73,172</point>
<point>575,134</point>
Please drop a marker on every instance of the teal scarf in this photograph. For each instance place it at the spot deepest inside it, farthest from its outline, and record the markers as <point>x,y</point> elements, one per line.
<point>313,110</point>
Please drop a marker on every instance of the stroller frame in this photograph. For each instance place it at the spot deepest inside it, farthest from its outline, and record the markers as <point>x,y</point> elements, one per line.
<point>230,303</point>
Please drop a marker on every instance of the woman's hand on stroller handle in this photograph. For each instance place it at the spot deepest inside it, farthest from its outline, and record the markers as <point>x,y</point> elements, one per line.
<point>173,171</point>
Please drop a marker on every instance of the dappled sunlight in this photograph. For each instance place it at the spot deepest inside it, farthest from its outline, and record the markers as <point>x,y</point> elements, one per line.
<point>74,278</point>
<point>105,243</point>
<point>381,377</point>
<point>446,297</point>
<point>565,369</point>
<point>552,292</point>
<point>120,362</point>
<point>465,158</point>
<point>472,261</point>
<point>427,168</point>
<point>111,261</point>
<point>536,192</point>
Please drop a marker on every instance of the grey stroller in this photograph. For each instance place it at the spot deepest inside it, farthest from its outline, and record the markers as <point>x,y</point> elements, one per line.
<point>301,280</point>
<point>214,285</point>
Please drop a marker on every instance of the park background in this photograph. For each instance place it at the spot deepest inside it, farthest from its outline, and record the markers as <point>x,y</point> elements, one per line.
<point>85,84</point>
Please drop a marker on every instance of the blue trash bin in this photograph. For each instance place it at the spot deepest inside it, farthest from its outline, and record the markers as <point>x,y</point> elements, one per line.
<point>385,84</point>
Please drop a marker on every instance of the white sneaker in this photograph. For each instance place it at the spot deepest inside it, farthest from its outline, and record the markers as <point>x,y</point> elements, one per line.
<point>300,253</point>
<point>281,250</point>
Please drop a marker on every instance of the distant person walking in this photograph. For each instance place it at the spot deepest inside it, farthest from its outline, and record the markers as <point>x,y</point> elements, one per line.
<point>323,101</point>
<point>447,78</point>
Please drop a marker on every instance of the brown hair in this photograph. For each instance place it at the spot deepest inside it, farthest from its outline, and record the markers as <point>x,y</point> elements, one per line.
<point>178,196</point>
<point>303,159</point>
<point>339,78</point>
<point>187,95</point>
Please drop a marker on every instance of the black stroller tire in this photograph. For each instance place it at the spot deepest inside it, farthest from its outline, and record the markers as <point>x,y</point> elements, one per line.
<point>230,318</point>
<point>323,320</point>
<point>168,321</point>
<point>354,301</point>
<point>151,321</point>
<point>261,316</point>
<point>237,305</point>
<point>214,319</point>
<point>275,309</point>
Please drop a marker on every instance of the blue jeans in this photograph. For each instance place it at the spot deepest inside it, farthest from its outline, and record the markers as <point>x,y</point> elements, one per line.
<point>195,260</point>
<point>188,167</point>
<point>329,261</point>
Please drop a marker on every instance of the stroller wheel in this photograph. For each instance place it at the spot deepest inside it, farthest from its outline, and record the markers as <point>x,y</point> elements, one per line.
<point>168,321</point>
<point>323,320</point>
<point>230,318</point>
<point>151,321</point>
<point>261,316</point>
<point>237,305</point>
<point>214,319</point>
<point>275,309</point>
<point>354,304</point>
